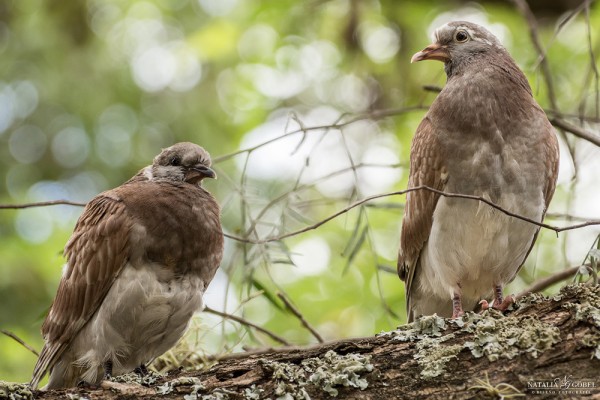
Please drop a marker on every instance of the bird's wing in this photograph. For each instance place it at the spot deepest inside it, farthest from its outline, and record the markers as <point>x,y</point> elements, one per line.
<point>426,169</point>
<point>552,162</point>
<point>550,153</point>
<point>96,253</point>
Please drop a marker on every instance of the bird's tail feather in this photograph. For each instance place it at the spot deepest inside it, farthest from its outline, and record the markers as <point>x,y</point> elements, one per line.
<point>44,363</point>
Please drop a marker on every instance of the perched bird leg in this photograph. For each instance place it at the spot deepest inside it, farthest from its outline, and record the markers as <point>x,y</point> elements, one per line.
<point>500,303</point>
<point>457,310</point>
<point>141,370</point>
<point>108,369</point>
<point>498,296</point>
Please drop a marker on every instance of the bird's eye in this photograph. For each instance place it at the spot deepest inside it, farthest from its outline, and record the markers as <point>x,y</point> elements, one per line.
<point>175,161</point>
<point>461,36</point>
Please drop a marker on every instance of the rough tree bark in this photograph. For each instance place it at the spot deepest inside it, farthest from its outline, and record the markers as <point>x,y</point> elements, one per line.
<point>546,348</point>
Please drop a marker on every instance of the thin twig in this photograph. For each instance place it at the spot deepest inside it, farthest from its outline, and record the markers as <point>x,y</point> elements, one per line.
<point>299,315</point>
<point>576,130</point>
<point>316,225</point>
<point>243,321</point>
<point>523,7</point>
<point>20,341</point>
<point>374,115</point>
<point>297,188</point>
<point>41,204</point>
<point>548,281</point>
<point>579,117</point>
<point>593,66</point>
<point>567,217</point>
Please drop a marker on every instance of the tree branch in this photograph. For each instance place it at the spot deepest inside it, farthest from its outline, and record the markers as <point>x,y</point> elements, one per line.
<point>545,341</point>
<point>545,283</point>
<point>243,321</point>
<point>20,341</point>
<point>299,315</point>
<point>576,130</point>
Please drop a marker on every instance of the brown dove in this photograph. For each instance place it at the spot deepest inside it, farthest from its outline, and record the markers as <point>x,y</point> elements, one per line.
<point>486,136</point>
<point>139,260</point>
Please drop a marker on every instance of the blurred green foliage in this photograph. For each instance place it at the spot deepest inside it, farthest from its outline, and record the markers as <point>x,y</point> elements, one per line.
<point>91,90</point>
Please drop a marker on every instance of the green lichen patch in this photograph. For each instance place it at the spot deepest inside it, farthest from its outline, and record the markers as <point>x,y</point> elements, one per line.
<point>325,373</point>
<point>592,340</point>
<point>530,299</point>
<point>588,311</point>
<point>217,394</point>
<point>76,396</point>
<point>433,357</point>
<point>586,294</point>
<point>15,391</point>
<point>253,393</point>
<point>585,312</point>
<point>423,327</point>
<point>146,380</point>
<point>168,387</point>
<point>428,331</point>
<point>496,336</point>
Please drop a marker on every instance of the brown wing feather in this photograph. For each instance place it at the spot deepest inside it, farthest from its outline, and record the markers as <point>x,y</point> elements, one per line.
<point>95,254</point>
<point>552,164</point>
<point>426,168</point>
<point>551,154</point>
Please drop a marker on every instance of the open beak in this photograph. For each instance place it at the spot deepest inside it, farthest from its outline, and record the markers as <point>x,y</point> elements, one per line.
<point>195,175</point>
<point>434,51</point>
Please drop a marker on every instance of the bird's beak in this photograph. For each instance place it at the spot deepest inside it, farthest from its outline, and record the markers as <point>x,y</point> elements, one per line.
<point>434,51</point>
<point>205,171</point>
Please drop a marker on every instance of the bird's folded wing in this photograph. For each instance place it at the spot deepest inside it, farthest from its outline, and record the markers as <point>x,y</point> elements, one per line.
<point>552,162</point>
<point>551,155</point>
<point>426,169</point>
<point>96,253</point>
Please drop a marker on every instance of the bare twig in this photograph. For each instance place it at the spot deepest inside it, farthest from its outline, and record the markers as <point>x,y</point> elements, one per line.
<point>576,130</point>
<point>567,217</point>
<point>297,188</point>
<point>523,7</point>
<point>316,225</point>
<point>41,204</point>
<point>243,321</point>
<point>375,115</point>
<point>579,117</point>
<point>593,66</point>
<point>545,283</point>
<point>299,315</point>
<point>20,341</point>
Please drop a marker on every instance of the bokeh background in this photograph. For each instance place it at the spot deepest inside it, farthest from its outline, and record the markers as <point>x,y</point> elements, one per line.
<point>287,96</point>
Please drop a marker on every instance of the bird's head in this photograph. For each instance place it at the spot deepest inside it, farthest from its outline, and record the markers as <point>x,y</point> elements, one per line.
<point>185,162</point>
<point>458,43</point>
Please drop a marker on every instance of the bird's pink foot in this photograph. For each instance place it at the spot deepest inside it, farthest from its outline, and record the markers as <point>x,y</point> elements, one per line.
<point>504,304</point>
<point>500,303</point>
<point>484,304</point>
